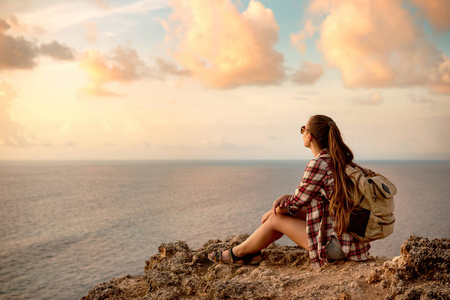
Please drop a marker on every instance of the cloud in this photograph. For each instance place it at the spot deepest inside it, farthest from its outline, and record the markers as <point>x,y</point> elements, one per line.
<point>167,68</point>
<point>223,48</point>
<point>440,80</point>
<point>372,99</point>
<point>22,28</point>
<point>12,134</point>
<point>14,5</point>
<point>102,4</point>
<point>308,73</point>
<point>437,13</point>
<point>299,39</point>
<point>359,38</point>
<point>57,51</point>
<point>373,48</point>
<point>121,65</point>
<point>18,53</point>
<point>60,15</point>
<point>91,35</point>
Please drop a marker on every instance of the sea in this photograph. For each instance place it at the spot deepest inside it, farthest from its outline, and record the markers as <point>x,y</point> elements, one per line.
<point>66,226</point>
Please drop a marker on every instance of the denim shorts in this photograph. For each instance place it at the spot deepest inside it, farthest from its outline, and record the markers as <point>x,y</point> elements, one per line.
<point>334,250</point>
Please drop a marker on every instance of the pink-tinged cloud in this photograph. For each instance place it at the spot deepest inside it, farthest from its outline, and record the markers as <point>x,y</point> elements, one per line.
<point>23,29</point>
<point>12,133</point>
<point>91,34</point>
<point>437,12</point>
<point>377,44</point>
<point>440,82</point>
<point>57,51</point>
<point>102,4</point>
<point>15,52</point>
<point>166,68</point>
<point>223,48</point>
<point>122,65</point>
<point>308,73</point>
<point>299,39</point>
<point>19,53</point>
<point>360,38</point>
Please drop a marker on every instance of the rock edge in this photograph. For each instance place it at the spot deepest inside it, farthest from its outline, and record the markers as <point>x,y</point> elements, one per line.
<point>177,272</point>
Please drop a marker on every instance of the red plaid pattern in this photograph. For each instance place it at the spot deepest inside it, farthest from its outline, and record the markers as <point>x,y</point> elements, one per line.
<point>318,183</point>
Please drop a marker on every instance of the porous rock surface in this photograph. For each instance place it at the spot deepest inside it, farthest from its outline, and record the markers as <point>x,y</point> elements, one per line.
<point>421,272</point>
<point>177,272</point>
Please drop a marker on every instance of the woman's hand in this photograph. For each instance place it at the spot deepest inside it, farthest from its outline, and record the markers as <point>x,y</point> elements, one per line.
<point>280,202</point>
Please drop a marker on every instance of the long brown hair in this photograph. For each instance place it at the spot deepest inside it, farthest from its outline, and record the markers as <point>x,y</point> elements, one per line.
<point>325,131</point>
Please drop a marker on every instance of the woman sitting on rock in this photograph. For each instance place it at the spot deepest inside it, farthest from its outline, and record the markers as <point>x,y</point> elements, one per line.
<point>322,197</point>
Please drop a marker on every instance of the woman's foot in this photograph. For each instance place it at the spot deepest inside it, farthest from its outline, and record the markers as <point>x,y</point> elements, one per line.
<point>253,259</point>
<point>228,257</point>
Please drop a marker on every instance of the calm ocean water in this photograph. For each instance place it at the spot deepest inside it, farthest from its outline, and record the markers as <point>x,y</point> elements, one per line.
<point>67,226</point>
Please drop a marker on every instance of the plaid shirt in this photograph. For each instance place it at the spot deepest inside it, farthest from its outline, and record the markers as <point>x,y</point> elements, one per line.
<point>318,183</point>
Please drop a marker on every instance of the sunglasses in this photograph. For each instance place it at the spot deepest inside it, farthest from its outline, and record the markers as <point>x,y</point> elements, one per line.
<point>303,129</point>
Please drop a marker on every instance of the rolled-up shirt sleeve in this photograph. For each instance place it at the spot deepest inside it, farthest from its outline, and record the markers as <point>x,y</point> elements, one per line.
<point>309,187</point>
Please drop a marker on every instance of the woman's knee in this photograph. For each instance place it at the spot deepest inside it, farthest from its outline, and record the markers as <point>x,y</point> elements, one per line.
<point>276,220</point>
<point>285,223</point>
<point>271,220</point>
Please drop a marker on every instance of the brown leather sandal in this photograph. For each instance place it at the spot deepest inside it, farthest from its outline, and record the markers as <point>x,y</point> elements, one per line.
<point>216,256</point>
<point>253,258</point>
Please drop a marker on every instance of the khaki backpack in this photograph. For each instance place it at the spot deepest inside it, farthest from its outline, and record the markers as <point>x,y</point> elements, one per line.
<point>373,195</point>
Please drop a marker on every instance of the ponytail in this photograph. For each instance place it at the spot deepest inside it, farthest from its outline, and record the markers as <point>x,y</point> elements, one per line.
<point>341,202</point>
<point>328,135</point>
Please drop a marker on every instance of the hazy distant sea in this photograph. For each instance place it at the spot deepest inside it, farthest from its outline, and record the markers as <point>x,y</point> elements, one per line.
<point>67,226</point>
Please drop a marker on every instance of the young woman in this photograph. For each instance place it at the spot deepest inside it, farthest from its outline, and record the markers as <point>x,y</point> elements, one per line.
<point>316,216</point>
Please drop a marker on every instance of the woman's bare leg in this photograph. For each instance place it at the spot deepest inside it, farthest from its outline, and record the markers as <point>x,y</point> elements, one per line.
<point>271,230</point>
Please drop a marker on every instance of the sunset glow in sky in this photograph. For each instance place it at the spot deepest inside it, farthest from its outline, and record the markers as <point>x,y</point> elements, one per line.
<point>222,79</point>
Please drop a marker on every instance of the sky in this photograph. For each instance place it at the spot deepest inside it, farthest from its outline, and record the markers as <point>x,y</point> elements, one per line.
<point>222,79</point>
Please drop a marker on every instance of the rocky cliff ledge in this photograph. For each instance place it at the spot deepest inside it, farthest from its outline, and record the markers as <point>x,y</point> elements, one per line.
<point>177,272</point>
